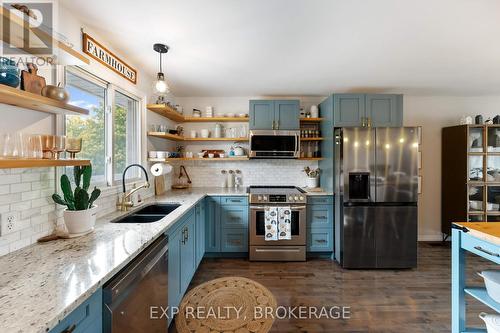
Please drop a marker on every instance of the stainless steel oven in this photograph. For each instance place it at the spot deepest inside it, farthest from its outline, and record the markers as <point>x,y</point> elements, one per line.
<point>293,249</point>
<point>274,144</point>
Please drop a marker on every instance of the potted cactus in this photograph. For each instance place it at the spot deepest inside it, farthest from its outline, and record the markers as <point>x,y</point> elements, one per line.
<point>80,213</point>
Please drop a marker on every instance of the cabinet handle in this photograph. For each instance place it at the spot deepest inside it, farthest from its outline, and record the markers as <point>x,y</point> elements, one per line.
<point>321,217</point>
<point>274,124</point>
<point>69,329</point>
<point>235,242</point>
<point>363,121</point>
<point>369,122</point>
<point>321,241</point>
<point>479,248</point>
<point>235,200</point>
<point>184,236</point>
<point>187,234</point>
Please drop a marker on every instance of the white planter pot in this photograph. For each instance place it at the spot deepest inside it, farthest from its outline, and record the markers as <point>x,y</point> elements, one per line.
<point>80,221</point>
<point>312,182</point>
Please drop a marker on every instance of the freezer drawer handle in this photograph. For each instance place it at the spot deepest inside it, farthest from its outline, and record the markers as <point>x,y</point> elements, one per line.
<point>479,248</point>
<point>70,329</point>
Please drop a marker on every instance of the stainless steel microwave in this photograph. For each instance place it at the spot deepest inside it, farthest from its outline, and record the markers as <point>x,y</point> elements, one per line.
<point>274,144</point>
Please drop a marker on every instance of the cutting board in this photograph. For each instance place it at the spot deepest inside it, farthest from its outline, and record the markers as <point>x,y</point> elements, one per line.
<point>160,185</point>
<point>31,81</point>
<point>487,231</point>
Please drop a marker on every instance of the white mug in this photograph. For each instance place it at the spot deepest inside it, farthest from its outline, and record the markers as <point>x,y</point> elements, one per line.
<point>205,133</point>
<point>161,154</point>
<point>193,133</point>
<point>153,154</point>
<point>189,154</point>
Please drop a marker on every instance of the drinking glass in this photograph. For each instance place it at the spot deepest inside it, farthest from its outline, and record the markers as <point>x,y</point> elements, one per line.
<point>47,144</point>
<point>34,147</point>
<point>12,145</point>
<point>73,146</point>
<point>58,145</point>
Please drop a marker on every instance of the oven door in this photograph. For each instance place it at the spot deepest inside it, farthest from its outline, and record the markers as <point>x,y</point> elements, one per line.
<point>274,144</point>
<point>257,227</point>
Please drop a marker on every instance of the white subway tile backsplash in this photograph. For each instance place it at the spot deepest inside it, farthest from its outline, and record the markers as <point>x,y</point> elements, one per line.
<point>26,214</point>
<point>4,189</point>
<point>30,177</point>
<point>20,187</point>
<point>10,198</point>
<point>30,195</point>
<point>10,179</point>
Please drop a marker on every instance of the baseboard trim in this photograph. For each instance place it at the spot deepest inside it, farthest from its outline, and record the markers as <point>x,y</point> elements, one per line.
<point>430,238</point>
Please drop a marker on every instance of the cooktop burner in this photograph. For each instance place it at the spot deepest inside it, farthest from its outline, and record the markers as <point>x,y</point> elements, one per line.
<point>276,195</point>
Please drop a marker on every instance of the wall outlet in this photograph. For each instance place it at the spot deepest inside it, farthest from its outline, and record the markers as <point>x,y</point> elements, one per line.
<point>8,223</point>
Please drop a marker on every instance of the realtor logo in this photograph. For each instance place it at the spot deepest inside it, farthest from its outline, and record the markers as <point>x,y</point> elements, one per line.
<point>27,28</point>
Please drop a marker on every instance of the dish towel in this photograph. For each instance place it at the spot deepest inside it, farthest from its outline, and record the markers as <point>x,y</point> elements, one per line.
<point>278,223</point>
<point>271,223</point>
<point>284,223</point>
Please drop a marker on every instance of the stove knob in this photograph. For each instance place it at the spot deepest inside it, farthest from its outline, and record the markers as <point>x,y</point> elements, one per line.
<point>296,198</point>
<point>265,198</point>
<point>290,198</point>
<point>301,198</point>
<point>259,198</point>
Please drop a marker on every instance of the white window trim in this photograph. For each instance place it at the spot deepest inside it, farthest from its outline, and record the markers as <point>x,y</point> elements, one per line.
<point>60,123</point>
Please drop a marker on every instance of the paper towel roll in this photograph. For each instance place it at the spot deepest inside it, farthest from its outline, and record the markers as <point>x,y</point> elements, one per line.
<point>159,169</point>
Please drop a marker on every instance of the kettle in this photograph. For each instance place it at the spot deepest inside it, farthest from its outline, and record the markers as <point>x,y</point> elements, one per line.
<point>239,151</point>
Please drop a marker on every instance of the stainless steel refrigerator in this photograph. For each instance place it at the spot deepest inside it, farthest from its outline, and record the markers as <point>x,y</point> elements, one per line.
<point>376,191</point>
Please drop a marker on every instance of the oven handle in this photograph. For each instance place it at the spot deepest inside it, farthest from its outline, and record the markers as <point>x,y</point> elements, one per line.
<point>264,207</point>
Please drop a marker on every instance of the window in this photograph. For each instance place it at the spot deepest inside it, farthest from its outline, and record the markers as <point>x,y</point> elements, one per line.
<point>111,140</point>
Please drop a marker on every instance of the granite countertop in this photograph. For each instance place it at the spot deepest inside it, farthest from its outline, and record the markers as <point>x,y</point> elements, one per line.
<point>41,284</point>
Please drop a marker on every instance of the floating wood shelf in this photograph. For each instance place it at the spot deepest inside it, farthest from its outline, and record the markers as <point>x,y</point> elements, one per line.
<point>216,139</point>
<point>310,158</point>
<point>310,120</point>
<point>27,100</point>
<point>39,163</point>
<point>164,135</point>
<point>215,119</point>
<point>225,159</point>
<point>311,139</point>
<point>166,111</point>
<point>18,38</point>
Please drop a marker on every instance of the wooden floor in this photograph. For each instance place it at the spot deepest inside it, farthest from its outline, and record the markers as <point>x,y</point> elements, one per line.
<point>415,300</point>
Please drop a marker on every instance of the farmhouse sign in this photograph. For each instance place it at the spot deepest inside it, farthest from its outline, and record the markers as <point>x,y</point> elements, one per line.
<point>107,58</point>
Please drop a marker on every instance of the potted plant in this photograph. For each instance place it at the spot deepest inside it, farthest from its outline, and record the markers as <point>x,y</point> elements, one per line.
<point>80,213</point>
<point>312,180</point>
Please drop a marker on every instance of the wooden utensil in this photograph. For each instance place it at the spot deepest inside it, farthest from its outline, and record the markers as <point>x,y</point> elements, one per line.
<point>30,81</point>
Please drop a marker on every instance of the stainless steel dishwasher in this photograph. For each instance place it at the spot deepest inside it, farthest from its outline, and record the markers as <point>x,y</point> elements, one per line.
<point>135,297</point>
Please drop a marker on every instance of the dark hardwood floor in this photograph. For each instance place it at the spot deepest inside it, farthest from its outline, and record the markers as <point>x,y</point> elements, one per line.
<point>416,300</point>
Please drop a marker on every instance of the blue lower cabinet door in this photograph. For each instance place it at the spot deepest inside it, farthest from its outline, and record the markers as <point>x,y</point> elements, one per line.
<point>212,225</point>
<point>174,268</point>
<point>320,240</point>
<point>188,256</point>
<point>320,216</point>
<point>234,217</point>
<point>85,318</point>
<point>234,240</point>
<point>200,232</point>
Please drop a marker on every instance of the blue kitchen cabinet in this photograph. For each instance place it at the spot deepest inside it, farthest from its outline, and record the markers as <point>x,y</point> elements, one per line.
<point>174,268</point>
<point>212,231</point>
<point>349,110</point>
<point>320,218</point>
<point>188,250</point>
<point>274,115</point>
<point>234,240</point>
<point>234,217</point>
<point>384,110</point>
<point>327,146</point>
<point>200,231</point>
<point>87,318</point>
<point>287,115</point>
<point>261,114</point>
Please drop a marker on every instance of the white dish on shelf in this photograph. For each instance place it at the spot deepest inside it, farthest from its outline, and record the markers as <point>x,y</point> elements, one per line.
<point>492,322</point>
<point>230,115</point>
<point>243,115</point>
<point>492,282</point>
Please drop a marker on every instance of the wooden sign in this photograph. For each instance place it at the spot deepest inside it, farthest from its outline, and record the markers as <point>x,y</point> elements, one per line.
<point>108,58</point>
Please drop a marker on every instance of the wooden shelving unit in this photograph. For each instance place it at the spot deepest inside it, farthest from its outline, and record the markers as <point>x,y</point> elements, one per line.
<point>27,100</point>
<point>168,136</point>
<point>166,111</point>
<point>311,139</point>
<point>216,139</point>
<point>215,119</point>
<point>310,120</point>
<point>39,163</point>
<point>226,159</point>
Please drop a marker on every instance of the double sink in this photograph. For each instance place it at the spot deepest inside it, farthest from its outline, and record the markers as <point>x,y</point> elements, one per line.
<point>148,214</point>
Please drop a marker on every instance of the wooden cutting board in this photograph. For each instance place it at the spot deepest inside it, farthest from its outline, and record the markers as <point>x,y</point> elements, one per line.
<point>159,185</point>
<point>31,81</point>
<point>487,231</point>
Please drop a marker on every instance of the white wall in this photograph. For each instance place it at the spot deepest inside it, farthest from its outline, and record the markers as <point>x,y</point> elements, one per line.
<point>433,113</point>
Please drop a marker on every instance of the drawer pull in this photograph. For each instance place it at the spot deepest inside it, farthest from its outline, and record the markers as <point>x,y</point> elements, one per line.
<point>236,200</point>
<point>70,329</point>
<point>479,248</point>
<point>321,217</point>
<point>320,240</point>
<point>235,242</point>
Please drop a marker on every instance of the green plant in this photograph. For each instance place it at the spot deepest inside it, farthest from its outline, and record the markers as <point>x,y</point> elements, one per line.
<point>80,198</point>
<point>312,173</point>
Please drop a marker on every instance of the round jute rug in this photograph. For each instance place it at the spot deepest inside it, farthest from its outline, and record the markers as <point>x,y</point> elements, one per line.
<point>228,305</point>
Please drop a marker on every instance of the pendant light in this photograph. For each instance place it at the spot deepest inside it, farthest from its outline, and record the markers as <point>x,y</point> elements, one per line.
<point>160,85</point>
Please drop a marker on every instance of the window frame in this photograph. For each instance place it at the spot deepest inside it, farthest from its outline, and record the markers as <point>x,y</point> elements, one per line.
<point>109,122</point>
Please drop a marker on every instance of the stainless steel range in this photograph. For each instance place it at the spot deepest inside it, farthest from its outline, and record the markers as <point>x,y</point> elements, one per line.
<point>262,197</point>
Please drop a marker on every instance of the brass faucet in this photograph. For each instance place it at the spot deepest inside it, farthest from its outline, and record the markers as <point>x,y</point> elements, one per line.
<point>125,201</point>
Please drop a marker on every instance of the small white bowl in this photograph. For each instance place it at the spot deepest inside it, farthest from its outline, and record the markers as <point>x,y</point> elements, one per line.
<point>221,155</point>
<point>152,154</point>
<point>201,155</point>
<point>161,154</point>
<point>211,155</point>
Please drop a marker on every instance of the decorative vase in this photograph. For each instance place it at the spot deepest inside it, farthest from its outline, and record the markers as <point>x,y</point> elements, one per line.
<point>80,221</point>
<point>312,182</point>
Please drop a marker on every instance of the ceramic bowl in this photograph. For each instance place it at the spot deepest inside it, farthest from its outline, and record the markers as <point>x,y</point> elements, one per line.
<point>201,155</point>
<point>211,155</point>
<point>9,75</point>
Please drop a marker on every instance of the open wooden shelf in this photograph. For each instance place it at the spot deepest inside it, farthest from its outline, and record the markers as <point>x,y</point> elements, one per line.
<point>310,158</point>
<point>311,139</point>
<point>166,111</point>
<point>216,139</point>
<point>311,120</point>
<point>164,135</point>
<point>27,100</point>
<point>225,159</point>
<point>215,119</point>
<point>39,163</point>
